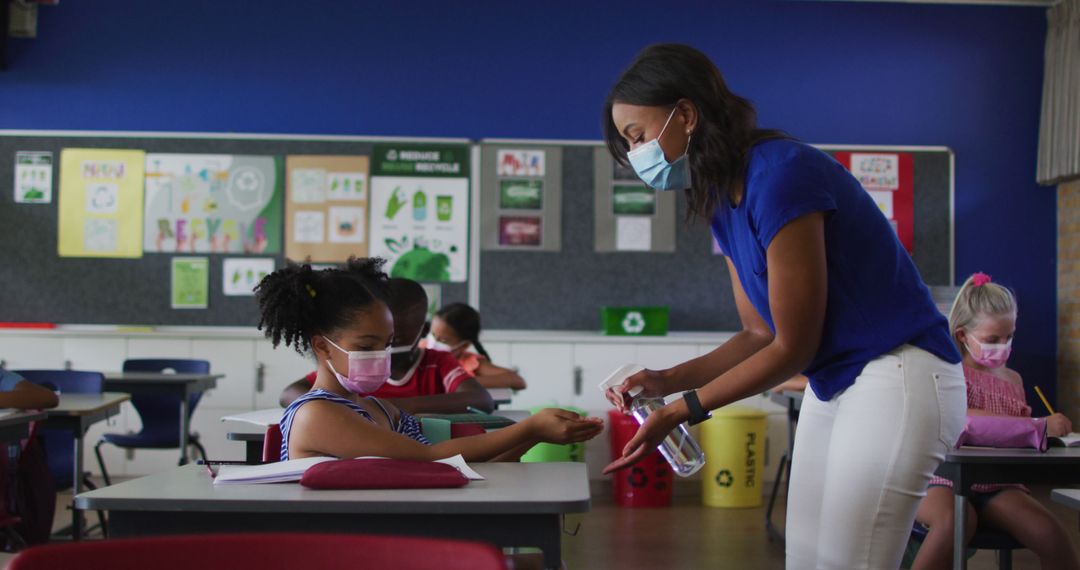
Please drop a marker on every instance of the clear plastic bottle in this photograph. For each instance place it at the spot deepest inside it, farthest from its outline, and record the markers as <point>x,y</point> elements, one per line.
<point>680,449</point>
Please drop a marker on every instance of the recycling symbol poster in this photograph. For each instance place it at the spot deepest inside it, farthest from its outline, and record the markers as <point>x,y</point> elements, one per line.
<point>420,210</point>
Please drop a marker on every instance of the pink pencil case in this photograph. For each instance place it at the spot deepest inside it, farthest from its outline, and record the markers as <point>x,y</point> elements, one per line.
<point>997,431</point>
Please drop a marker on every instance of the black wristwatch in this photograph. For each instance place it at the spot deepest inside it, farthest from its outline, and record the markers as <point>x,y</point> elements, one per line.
<point>697,413</point>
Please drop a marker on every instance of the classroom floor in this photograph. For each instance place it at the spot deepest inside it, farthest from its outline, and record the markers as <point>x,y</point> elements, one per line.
<point>685,536</point>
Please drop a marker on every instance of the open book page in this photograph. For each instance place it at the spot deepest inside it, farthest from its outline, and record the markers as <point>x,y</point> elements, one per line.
<point>277,472</point>
<point>292,470</point>
<point>1071,440</point>
<point>262,418</point>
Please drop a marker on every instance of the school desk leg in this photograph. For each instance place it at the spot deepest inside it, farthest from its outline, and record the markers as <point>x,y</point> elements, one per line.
<point>184,428</point>
<point>959,530</point>
<point>550,543</point>
<point>76,488</point>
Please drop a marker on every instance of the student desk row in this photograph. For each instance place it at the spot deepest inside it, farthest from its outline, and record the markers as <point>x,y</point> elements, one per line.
<point>77,412</point>
<point>182,386</point>
<point>518,504</point>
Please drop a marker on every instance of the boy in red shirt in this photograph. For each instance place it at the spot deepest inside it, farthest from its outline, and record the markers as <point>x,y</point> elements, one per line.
<point>421,380</point>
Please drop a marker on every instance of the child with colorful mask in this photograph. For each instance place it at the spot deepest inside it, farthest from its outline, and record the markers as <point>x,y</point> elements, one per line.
<point>343,318</point>
<point>983,321</point>
<point>456,329</point>
<point>422,380</point>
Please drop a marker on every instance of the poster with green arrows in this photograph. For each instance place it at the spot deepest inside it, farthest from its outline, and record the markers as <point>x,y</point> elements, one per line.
<point>420,210</point>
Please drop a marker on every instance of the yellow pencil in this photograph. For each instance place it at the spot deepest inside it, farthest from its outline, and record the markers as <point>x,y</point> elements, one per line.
<point>1045,402</point>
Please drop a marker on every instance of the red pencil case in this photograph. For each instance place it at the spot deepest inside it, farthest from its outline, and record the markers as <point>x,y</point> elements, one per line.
<point>382,474</point>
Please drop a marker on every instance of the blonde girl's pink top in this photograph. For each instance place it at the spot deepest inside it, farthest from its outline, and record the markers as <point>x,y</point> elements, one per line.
<point>998,396</point>
<point>470,361</point>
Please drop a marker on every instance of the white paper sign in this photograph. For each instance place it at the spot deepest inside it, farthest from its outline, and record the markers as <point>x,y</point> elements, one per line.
<point>876,171</point>
<point>346,224</point>
<point>347,186</point>
<point>308,186</point>
<point>884,201</point>
<point>308,227</point>
<point>633,233</point>
<point>242,274</point>
<point>519,163</point>
<point>102,198</point>
<point>33,177</point>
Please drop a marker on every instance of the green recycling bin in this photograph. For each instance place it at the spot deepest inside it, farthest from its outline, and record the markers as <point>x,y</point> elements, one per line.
<point>555,453</point>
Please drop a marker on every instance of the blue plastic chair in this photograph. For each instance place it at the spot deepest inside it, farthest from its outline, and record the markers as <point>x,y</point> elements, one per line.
<point>160,414</point>
<point>60,443</point>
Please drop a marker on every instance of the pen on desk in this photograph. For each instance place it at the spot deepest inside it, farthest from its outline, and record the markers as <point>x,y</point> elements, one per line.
<point>1044,401</point>
<point>474,410</point>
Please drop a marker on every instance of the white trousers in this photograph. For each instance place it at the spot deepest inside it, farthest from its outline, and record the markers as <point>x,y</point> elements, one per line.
<point>863,460</point>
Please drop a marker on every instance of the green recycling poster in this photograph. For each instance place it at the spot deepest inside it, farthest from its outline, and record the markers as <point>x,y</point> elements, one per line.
<point>420,210</point>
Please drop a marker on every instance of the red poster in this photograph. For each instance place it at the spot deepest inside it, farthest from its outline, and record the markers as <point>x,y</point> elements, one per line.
<point>520,231</point>
<point>889,179</point>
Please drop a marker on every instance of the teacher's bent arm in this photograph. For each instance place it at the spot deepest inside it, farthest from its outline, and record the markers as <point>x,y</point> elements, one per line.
<point>798,289</point>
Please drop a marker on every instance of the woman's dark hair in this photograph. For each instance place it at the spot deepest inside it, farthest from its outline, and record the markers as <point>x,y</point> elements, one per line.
<point>466,321</point>
<point>661,75</point>
<point>296,302</point>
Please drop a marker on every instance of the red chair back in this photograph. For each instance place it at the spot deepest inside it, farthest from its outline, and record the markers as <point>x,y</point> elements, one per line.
<point>269,550</point>
<point>272,444</point>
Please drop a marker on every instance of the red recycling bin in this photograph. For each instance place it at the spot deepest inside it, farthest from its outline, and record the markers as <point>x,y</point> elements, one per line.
<point>648,482</point>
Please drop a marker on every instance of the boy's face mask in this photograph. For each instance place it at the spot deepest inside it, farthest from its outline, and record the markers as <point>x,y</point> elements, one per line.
<point>404,355</point>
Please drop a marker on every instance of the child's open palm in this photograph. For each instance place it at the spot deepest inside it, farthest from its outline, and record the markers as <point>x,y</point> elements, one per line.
<point>553,425</point>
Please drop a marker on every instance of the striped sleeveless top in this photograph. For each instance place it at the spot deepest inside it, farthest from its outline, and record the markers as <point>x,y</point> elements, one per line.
<point>406,424</point>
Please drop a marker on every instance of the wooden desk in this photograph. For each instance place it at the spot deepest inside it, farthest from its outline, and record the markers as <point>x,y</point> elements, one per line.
<point>519,504</point>
<point>792,400</point>
<point>182,386</point>
<point>16,425</point>
<point>76,413</point>
<point>967,466</point>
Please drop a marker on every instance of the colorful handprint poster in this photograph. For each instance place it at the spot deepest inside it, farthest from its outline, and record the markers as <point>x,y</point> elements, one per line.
<point>213,203</point>
<point>419,211</point>
<point>101,203</point>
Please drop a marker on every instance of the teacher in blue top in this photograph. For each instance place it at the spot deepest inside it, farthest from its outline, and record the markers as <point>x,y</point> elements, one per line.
<point>822,286</point>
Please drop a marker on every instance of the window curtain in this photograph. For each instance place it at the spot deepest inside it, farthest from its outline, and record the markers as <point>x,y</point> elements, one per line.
<point>1059,126</point>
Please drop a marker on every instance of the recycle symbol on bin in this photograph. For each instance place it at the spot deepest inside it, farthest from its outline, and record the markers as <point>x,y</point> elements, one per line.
<point>724,478</point>
<point>634,322</point>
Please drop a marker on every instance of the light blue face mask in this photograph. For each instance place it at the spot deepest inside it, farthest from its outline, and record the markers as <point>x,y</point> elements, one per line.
<point>653,168</point>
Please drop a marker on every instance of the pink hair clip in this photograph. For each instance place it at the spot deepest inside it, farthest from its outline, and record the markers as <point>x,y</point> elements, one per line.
<point>980,279</point>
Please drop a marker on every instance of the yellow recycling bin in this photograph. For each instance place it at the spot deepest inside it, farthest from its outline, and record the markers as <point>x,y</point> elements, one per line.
<point>734,444</point>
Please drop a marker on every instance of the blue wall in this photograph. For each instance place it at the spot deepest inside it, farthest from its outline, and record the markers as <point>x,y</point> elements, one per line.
<point>968,77</point>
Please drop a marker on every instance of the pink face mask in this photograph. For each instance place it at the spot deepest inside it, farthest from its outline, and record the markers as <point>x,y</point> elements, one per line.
<point>368,370</point>
<point>992,355</point>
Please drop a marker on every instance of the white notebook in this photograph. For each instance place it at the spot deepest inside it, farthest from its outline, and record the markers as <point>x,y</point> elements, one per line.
<point>263,418</point>
<point>292,470</point>
<point>1071,440</point>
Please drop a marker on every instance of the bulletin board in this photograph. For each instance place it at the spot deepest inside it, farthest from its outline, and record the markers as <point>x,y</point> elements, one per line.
<point>565,290</point>
<point>41,286</point>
